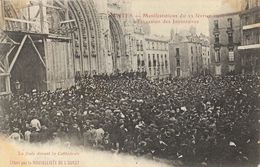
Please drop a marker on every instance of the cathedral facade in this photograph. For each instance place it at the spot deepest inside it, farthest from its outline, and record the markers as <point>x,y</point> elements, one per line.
<point>65,40</point>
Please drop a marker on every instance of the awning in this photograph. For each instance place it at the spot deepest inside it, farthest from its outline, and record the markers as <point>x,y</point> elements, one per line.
<point>251,26</point>
<point>246,47</point>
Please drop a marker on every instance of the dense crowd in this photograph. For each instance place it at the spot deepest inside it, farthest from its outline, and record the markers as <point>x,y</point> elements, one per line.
<point>201,120</point>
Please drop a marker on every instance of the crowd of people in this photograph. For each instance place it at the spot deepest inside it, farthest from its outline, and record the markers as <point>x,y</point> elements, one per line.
<point>200,120</point>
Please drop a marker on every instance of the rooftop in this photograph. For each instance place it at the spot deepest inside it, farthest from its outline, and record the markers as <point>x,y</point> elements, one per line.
<point>157,38</point>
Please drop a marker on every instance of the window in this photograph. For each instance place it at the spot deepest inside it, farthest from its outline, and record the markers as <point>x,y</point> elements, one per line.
<point>215,24</point>
<point>177,52</point>
<point>138,60</point>
<point>158,60</point>
<point>230,24</point>
<point>152,45</point>
<point>141,46</point>
<point>246,20</point>
<point>230,38</point>
<point>154,61</point>
<point>166,46</point>
<point>143,63</point>
<point>191,50</point>
<point>217,56</point>
<point>231,56</point>
<point>218,70</point>
<point>149,61</point>
<point>247,42</point>
<point>162,46</point>
<point>166,61</point>
<point>142,60</point>
<point>137,45</point>
<point>257,17</point>
<point>216,38</point>
<point>178,72</point>
<point>178,62</point>
<point>162,64</point>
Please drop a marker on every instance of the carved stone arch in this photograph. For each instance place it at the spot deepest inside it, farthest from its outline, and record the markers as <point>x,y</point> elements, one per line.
<point>96,31</point>
<point>118,43</point>
<point>86,37</point>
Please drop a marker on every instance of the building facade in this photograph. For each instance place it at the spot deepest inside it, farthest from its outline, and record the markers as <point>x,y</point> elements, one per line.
<point>225,38</point>
<point>66,40</point>
<point>139,60</point>
<point>188,55</point>
<point>156,58</point>
<point>250,37</point>
<point>69,39</point>
<point>206,59</point>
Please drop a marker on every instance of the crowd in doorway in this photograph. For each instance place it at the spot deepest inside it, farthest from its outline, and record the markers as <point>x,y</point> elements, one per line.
<point>200,120</point>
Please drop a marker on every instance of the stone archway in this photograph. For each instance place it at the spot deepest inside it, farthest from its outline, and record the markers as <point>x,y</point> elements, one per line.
<point>118,44</point>
<point>86,37</point>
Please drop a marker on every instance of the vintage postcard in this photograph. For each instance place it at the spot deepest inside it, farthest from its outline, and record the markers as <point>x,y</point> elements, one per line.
<point>129,83</point>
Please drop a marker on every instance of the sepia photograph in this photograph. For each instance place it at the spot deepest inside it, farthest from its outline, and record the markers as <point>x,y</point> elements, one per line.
<point>129,83</point>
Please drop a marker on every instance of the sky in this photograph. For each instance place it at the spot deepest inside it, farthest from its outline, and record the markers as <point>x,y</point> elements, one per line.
<point>182,7</point>
<point>178,8</point>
